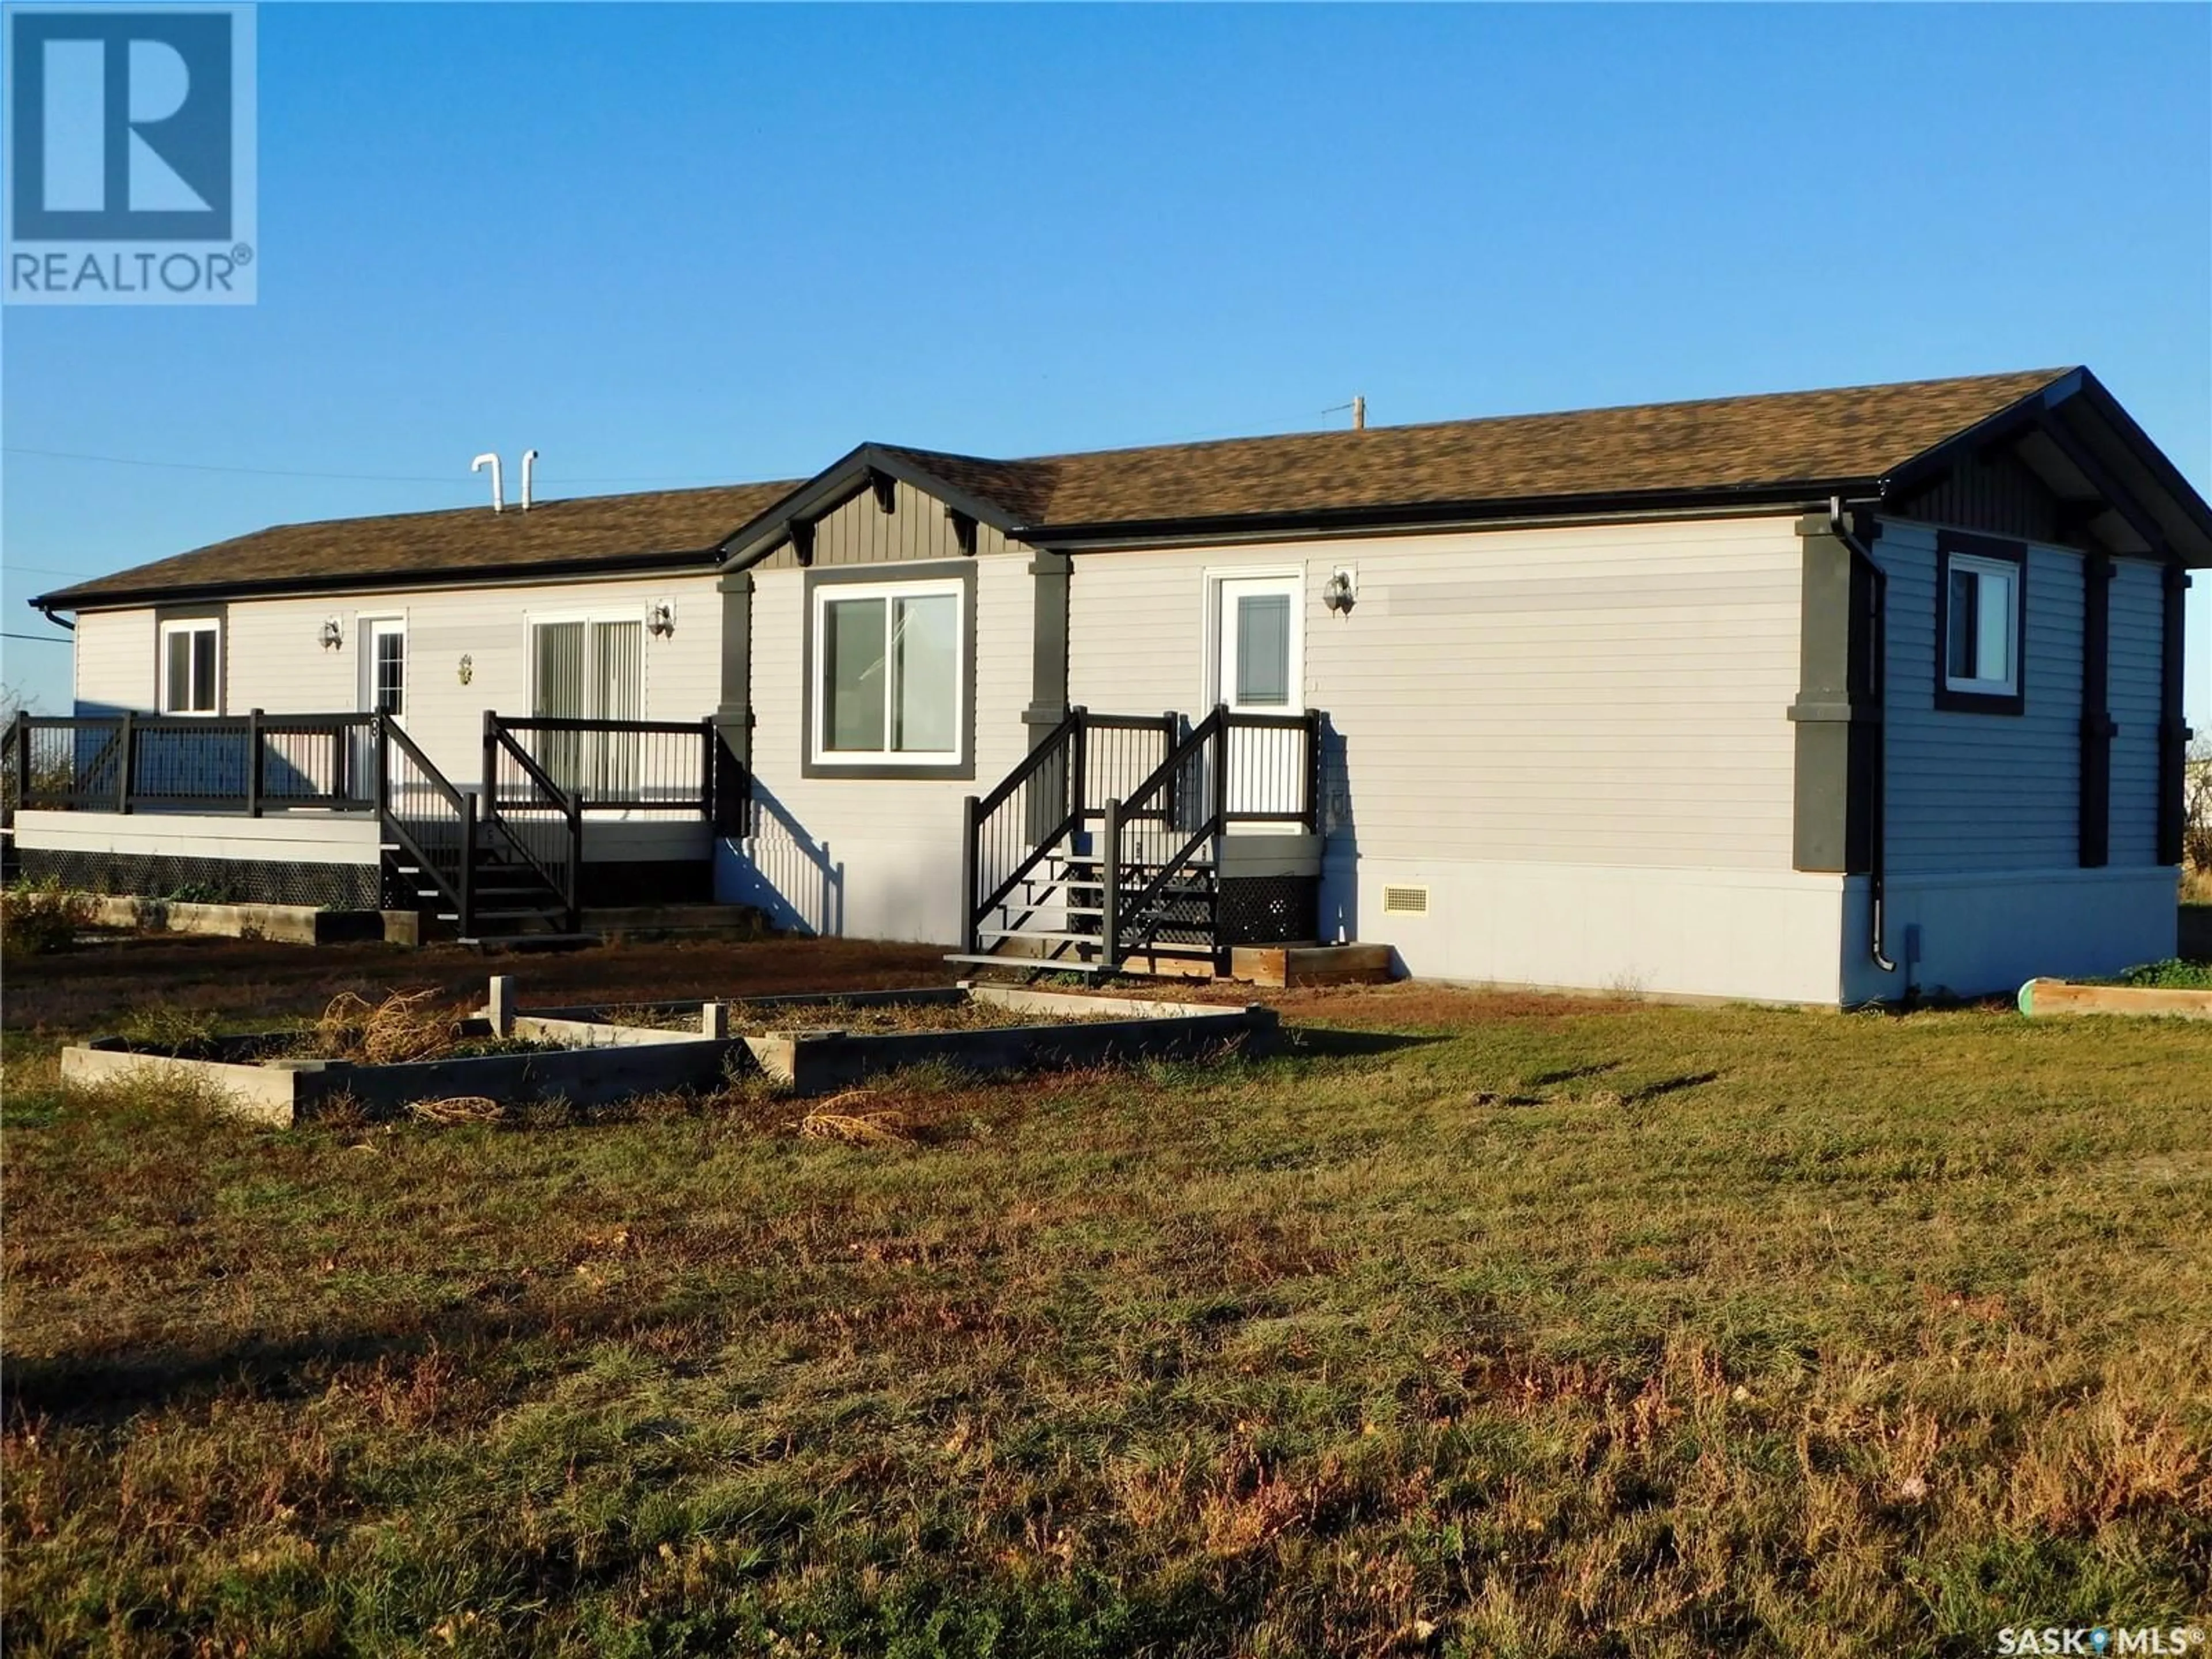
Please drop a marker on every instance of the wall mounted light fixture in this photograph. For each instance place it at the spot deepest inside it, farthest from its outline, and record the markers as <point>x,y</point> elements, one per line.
<point>468,669</point>
<point>332,633</point>
<point>661,620</point>
<point>1341,592</point>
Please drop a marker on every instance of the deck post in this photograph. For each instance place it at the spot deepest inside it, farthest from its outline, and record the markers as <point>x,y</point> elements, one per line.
<point>1109,889</point>
<point>969,938</point>
<point>490,773</point>
<point>253,773</point>
<point>382,782</point>
<point>575,869</point>
<point>465,883</point>
<point>22,724</point>
<point>708,740</point>
<point>1312,814</point>
<point>1220,775</point>
<point>1078,764</point>
<point>126,745</point>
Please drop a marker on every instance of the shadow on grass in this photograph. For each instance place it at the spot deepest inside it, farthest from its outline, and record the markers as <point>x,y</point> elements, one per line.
<point>105,1388</point>
<point>1307,1042</point>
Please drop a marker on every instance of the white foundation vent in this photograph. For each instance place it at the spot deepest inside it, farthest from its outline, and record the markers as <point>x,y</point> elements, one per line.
<point>1405,900</point>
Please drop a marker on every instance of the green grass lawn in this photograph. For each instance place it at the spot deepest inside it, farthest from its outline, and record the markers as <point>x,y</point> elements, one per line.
<point>1474,1324</point>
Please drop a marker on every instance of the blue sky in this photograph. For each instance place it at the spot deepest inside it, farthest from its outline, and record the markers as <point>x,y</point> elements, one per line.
<point>696,244</point>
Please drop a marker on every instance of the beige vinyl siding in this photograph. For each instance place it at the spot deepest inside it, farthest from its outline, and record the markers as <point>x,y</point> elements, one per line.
<point>1974,791</point>
<point>1605,695</point>
<point>275,660</point>
<point>861,532</point>
<point>116,657</point>
<point>875,858</point>
<point>2136,702</point>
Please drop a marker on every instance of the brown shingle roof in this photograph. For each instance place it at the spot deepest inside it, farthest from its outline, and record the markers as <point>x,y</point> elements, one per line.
<point>1717,444</point>
<point>577,531</point>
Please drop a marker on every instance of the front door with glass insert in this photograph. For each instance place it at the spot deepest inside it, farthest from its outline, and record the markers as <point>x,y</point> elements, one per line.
<point>1258,670</point>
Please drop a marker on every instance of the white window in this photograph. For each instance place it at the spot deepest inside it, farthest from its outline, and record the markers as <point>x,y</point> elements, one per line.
<point>191,667</point>
<point>1981,626</point>
<point>887,672</point>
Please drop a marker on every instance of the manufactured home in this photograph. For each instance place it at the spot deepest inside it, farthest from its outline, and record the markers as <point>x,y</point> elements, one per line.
<point>1822,697</point>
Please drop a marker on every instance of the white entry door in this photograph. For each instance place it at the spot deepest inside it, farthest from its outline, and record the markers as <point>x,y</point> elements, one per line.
<point>384,667</point>
<point>1260,669</point>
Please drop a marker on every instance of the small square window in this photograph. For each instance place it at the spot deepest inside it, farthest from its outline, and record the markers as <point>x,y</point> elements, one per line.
<point>1980,625</point>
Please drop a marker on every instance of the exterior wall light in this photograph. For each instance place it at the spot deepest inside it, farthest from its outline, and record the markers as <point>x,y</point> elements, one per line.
<point>1341,592</point>
<point>332,633</point>
<point>468,669</point>
<point>661,620</point>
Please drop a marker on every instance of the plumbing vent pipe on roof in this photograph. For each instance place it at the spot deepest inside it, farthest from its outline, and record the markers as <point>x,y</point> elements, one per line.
<point>528,457</point>
<point>1359,412</point>
<point>498,499</point>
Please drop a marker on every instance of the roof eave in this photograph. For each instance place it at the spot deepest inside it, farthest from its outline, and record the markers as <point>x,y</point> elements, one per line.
<point>1445,514</point>
<point>80,600</point>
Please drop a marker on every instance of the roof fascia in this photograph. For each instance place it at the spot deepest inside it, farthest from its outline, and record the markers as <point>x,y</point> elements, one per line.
<point>697,561</point>
<point>1586,508</point>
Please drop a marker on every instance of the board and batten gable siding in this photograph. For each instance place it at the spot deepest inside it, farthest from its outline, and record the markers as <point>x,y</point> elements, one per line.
<point>2135,704</point>
<point>861,532</point>
<point>116,662</point>
<point>1974,790</point>
<point>274,659</point>
<point>875,858</point>
<point>1604,694</point>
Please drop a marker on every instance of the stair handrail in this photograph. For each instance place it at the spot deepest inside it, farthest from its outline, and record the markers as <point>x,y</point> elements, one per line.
<point>497,736</point>
<point>1132,809</point>
<point>974,812</point>
<point>457,893</point>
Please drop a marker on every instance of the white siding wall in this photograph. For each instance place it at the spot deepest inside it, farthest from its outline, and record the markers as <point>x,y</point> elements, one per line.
<point>1575,738</point>
<point>115,654</point>
<point>1982,792</point>
<point>2138,605</point>
<point>273,658</point>
<point>872,858</point>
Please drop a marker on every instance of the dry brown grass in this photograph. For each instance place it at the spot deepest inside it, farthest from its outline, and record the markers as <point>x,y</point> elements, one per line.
<point>839,1119</point>
<point>406,1025</point>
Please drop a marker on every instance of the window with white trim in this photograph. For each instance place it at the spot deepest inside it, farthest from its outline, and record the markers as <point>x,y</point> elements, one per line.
<point>1981,625</point>
<point>191,667</point>
<point>888,670</point>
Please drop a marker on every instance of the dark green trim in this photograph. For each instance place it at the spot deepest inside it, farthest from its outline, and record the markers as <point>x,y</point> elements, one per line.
<point>1838,713</point>
<point>1051,576</point>
<point>2173,732</point>
<point>2014,702</point>
<point>733,717</point>
<point>890,575</point>
<point>2098,730</point>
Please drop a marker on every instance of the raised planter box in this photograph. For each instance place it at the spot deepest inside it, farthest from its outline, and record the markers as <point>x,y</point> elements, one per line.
<point>1074,1030</point>
<point>285,1092</point>
<point>599,1057</point>
<point>2042,997</point>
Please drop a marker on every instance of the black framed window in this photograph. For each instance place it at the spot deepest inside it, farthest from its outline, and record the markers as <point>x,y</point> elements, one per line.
<point>1981,624</point>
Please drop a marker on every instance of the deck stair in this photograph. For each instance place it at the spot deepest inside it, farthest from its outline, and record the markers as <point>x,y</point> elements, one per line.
<point>1104,847</point>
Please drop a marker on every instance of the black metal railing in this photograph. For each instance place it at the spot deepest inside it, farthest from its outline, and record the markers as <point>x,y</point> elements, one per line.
<point>432,823</point>
<point>635,766</point>
<point>1161,790</point>
<point>252,763</point>
<point>533,815</point>
<point>1049,800</point>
